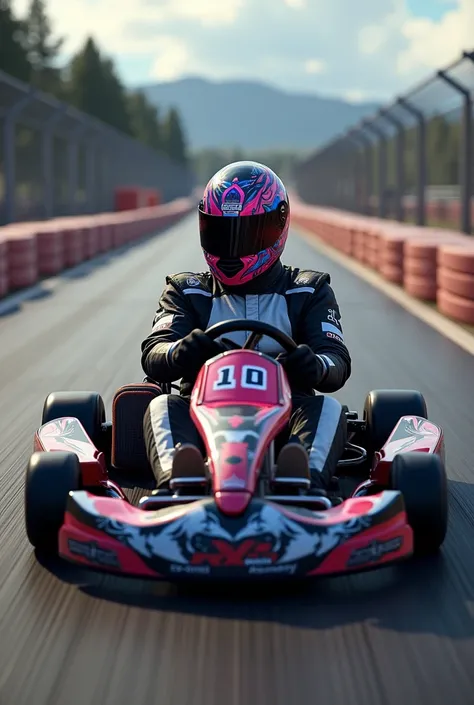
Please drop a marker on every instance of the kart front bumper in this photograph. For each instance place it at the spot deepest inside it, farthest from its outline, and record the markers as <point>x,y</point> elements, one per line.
<point>268,540</point>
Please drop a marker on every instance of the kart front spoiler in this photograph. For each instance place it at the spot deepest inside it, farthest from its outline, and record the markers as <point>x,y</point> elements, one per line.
<point>268,540</point>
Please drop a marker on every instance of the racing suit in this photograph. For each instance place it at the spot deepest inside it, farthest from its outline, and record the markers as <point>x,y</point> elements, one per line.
<point>298,302</point>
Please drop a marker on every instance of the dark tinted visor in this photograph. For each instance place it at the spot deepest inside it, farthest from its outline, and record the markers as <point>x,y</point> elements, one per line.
<point>240,236</point>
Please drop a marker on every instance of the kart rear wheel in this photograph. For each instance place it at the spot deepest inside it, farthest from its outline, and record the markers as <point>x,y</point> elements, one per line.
<point>382,410</point>
<point>49,479</point>
<point>421,478</point>
<point>87,407</point>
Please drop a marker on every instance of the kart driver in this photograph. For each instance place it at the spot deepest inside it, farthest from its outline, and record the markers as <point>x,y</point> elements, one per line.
<point>244,219</point>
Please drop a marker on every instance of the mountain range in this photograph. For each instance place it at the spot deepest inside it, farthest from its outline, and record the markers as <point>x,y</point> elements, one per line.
<point>252,115</point>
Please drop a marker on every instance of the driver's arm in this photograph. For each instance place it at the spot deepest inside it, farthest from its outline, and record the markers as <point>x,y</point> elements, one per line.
<point>322,331</point>
<point>173,320</point>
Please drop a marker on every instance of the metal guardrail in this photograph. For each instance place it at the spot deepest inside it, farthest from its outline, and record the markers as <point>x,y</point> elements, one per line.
<point>365,170</point>
<point>56,160</point>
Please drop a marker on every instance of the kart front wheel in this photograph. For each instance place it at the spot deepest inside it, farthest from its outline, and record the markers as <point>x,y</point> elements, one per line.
<point>87,407</point>
<point>421,478</point>
<point>49,479</point>
<point>383,409</point>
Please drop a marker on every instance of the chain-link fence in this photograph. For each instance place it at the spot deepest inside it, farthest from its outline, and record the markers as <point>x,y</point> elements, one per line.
<point>55,160</point>
<point>411,161</point>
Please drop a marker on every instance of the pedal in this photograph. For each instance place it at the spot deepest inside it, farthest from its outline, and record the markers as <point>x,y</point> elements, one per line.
<point>292,468</point>
<point>153,503</point>
<point>182,482</point>
<point>155,498</point>
<point>189,468</point>
<point>308,501</point>
<point>291,482</point>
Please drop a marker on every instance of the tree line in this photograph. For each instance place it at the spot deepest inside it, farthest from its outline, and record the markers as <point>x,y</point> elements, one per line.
<point>207,161</point>
<point>443,156</point>
<point>30,52</point>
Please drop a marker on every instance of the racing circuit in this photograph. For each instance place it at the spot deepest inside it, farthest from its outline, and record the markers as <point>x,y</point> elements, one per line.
<point>399,635</point>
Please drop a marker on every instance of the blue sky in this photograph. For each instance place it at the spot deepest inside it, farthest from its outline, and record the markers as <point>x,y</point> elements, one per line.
<point>356,49</point>
<point>434,9</point>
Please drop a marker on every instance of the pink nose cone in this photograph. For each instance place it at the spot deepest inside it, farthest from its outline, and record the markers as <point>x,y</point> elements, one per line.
<point>233,503</point>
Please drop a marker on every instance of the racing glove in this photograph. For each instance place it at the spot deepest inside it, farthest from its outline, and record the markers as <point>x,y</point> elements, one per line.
<point>303,367</point>
<point>190,353</point>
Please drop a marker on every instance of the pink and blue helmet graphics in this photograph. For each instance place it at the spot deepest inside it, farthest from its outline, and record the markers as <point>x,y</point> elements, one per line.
<point>244,221</point>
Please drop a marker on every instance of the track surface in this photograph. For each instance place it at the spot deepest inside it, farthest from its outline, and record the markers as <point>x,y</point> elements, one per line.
<point>401,635</point>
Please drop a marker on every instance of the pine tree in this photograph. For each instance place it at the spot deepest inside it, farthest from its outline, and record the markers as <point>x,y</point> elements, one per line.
<point>173,137</point>
<point>207,162</point>
<point>94,88</point>
<point>236,155</point>
<point>144,120</point>
<point>43,49</point>
<point>115,98</point>
<point>13,54</point>
<point>85,85</point>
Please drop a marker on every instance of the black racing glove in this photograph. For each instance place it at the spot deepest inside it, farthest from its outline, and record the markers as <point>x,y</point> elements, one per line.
<point>192,351</point>
<point>303,368</point>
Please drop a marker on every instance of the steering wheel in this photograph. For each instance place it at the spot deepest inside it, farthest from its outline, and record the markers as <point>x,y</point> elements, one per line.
<point>257,330</point>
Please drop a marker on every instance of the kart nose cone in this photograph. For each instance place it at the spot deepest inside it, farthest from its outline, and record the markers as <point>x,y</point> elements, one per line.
<point>232,503</point>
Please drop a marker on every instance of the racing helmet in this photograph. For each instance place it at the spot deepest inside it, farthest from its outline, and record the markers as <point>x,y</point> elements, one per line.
<point>243,221</point>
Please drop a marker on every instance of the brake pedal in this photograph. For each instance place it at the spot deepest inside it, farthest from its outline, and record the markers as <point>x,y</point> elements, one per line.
<point>292,467</point>
<point>188,468</point>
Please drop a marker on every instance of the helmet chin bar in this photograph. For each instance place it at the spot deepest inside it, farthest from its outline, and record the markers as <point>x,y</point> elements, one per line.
<point>229,267</point>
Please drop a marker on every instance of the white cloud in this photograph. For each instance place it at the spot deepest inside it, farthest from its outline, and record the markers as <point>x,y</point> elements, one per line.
<point>171,61</point>
<point>371,39</point>
<point>208,12</point>
<point>355,96</point>
<point>114,22</point>
<point>315,66</point>
<point>433,45</point>
<point>342,47</point>
<point>297,4</point>
<point>374,38</point>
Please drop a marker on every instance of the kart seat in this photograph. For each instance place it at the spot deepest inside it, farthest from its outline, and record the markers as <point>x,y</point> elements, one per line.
<point>128,409</point>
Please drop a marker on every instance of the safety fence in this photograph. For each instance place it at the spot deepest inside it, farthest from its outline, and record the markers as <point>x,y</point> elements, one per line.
<point>30,251</point>
<point>433,265</point>
<point>56,160</point>
<point>398,162</point>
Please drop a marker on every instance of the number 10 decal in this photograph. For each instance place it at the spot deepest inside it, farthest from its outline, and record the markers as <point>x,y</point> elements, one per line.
<point>251,378</point>
<point>226,378</point>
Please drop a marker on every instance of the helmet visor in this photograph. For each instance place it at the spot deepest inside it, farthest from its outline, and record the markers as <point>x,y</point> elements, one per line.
<point>231,237</point>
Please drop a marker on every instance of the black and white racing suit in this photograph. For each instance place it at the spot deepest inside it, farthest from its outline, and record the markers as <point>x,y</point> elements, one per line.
<point>298,302</point>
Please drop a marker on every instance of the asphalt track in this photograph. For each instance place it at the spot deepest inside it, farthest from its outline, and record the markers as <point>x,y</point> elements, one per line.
<point>67,637</point>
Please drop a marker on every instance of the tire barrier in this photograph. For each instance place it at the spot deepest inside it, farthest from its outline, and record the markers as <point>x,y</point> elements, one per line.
<point>135,198</point>
<point>455,296</point>
<point>50,250</point>
<point>431,264</point>
<point>30,251</point>
<point>3,268</point>
<point>420,262</point>
<point>22,258</point>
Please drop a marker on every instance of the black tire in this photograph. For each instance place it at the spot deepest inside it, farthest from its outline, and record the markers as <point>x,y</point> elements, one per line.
<point>49,479</point>
<point>421,478</point>
<point>87,407</point>
<point>383,408</point>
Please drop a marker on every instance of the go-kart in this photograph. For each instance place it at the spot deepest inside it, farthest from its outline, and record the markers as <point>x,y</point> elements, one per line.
<point>241,520</point>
